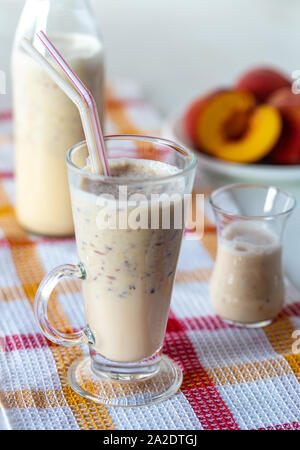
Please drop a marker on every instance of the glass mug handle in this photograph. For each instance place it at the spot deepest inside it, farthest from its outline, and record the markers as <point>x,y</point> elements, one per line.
<point>44,291</point>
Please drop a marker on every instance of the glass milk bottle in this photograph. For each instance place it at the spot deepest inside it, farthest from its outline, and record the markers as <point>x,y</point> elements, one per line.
<point>46,122</point>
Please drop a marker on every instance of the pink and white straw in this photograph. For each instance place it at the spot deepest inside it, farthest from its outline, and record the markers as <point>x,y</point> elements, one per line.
<point>80,95</point>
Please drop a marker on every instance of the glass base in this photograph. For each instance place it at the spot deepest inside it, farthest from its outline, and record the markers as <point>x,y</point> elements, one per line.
<point>261,324</point>
<point>100,388</point>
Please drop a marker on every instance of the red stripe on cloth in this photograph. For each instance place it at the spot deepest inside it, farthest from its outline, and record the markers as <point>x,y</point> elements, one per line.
<point>25,342</point>
<point>197,323</point>
<point>5,115</point>
<point>292,310</point>
<point>197,387</point>
<point>211,323</point>
<point>284,426</point>
<point>4,243</point>
<point>7,174</point>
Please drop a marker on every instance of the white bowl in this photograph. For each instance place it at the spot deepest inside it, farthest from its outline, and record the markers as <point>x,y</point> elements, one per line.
<point>259,173</point>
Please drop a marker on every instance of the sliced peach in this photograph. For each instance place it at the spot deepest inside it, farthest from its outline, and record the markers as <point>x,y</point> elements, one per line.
<point>263,131</point>
<point>193,112</point>
<point>262,82</point>
<point>231,128</point>
<point>229,125</point>
<point>223,117</point>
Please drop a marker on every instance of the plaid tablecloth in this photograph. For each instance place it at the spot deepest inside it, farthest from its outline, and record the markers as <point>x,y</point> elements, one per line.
<point>233,378</point>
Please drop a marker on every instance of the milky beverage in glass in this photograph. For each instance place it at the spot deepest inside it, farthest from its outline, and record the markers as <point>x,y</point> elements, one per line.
<point>46,124</point>
<point>130,271</point>
<point>247,286</point>
<point>247,283</point>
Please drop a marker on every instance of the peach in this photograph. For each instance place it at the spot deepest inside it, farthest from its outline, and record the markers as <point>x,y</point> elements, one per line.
<point>193,112</point>
<point>262,82</point>
<point>284,98</point>
<point>287,150</point>
<point>228,125</point>
<point>234,122</point>
<point>263,130</point>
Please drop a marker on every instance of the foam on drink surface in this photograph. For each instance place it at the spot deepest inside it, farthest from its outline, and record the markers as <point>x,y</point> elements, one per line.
<point>137,171</point>
<point>249,237</point>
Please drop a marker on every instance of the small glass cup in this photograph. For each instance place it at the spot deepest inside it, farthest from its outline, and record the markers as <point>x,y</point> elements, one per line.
<point>247,286</point>
<point>127,271</point>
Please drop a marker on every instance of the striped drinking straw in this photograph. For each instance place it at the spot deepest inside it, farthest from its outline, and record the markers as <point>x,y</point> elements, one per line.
<point>80,95</point>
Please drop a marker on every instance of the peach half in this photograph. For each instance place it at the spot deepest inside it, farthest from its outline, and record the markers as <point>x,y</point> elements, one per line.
<point>229,126</point>
<point>262,82</point>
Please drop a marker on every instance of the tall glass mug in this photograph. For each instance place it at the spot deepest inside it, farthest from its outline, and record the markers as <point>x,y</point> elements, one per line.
<point>128,229</point>
<point>247,286</point>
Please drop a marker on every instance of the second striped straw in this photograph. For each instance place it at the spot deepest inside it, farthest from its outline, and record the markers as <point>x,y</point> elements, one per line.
<point>80,95</point>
